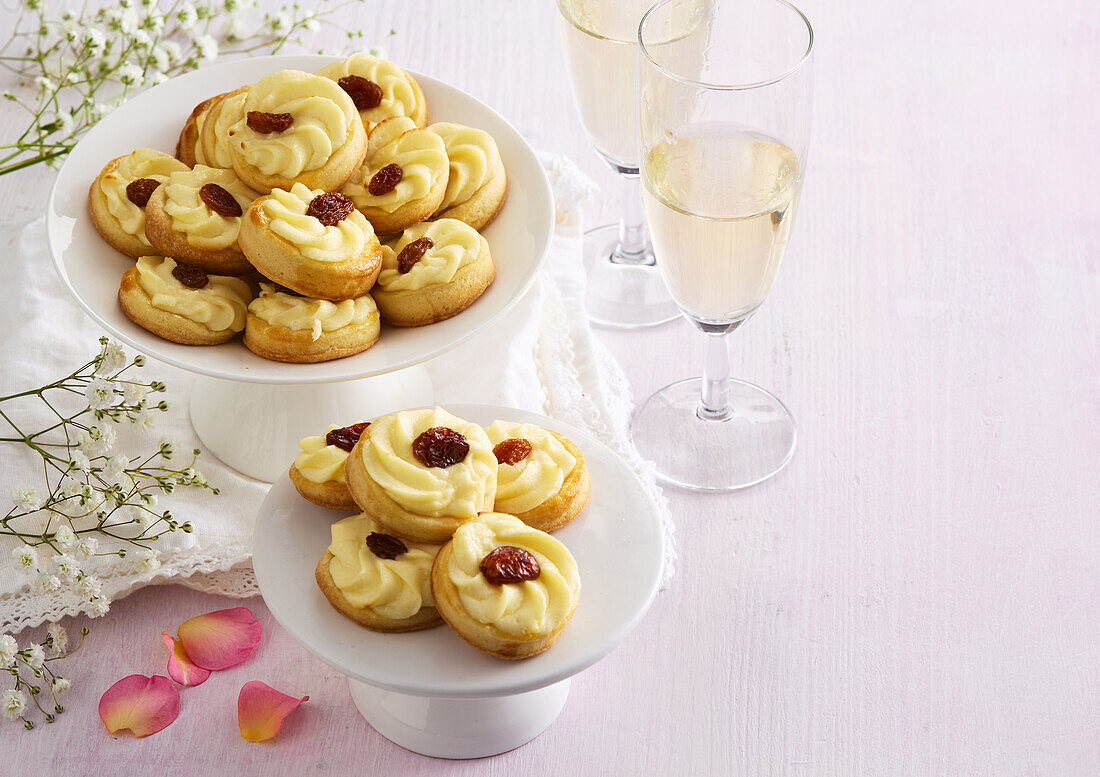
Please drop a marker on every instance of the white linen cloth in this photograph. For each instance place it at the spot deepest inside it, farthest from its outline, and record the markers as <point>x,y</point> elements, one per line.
<point>542,357</point>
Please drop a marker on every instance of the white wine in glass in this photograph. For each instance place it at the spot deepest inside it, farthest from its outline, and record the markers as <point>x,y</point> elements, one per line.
<point>724,126</point>
<point>600,44</point>
<point>721,200</point>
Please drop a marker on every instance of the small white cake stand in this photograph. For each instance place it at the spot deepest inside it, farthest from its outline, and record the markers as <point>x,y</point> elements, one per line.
<point>248,411</point>
<point>429,691</point>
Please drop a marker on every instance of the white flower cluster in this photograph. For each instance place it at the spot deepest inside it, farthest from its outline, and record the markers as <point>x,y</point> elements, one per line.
<point>31,660</point>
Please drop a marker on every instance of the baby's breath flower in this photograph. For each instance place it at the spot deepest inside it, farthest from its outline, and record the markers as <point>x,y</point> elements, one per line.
<point>278,23</point>
<point>36,655</point>
<point>131,74</point>
<point>98,608</point>
<point>13,702</point>
<point>145,421</point>
<point>78,461</point>
<point>28,497</point>
<point>148,560</point>
<point>237,29</point>
<point>97,440</point>
<point>45,85</point>
<point>114,468</point>
<point>159,56</point>
<point>167,447</point>
<point>8,648</point>
<point>113,360</point>
<point>57,638</point>
<point>65,536</point>
<point>45,583</point>
<point>186,16</point>
<point>174,52</point>
<point>25,557</point>
<point>86,548</point>
<point>94,38</point>
<point>206,47</point>
<point>90,586</point>
<point>128,20</point>
<point>141,40</point>
<point>65,564</point>
<point>65,120</point>
<point>99,393</point>
<point>60,685</point>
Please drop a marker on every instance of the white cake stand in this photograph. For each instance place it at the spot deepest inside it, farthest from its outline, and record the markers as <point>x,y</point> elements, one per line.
<point>429,691</point>
<point>248,411</point>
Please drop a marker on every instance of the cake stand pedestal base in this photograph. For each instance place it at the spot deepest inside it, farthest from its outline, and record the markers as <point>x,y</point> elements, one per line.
<point>459,728</point>
<point>255,427</point>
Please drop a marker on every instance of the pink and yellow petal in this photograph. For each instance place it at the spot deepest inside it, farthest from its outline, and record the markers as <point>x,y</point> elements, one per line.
<point>144,705</point>
<point>180,666</point>
<point>221,639</point>
<point>261,710</point>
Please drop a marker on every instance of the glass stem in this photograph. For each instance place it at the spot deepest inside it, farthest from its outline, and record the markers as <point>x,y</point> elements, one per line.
<point>633,247</point>
<point>714,404</point>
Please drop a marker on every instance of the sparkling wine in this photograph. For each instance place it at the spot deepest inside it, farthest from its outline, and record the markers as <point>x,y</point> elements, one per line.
<point>720,200</point>
<point>601,55</point>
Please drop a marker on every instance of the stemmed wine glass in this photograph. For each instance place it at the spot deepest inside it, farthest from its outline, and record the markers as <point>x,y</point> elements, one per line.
<point>600,42</point>
<point>724,120</point>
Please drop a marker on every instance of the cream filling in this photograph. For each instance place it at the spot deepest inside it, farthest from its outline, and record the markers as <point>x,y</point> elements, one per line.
<point>190,215</point>
<point>393,588</point>
<point>322,113</point>
<point>533,608</point>
<point>215,137</point>
<point>286,215</point>
<point>398,95</point>
<point>474,160</point>
<point>316,315</point>
<point>460,491</point>
<point>320,462</point>
<point>455,244</point>
<point>220,305</point>
<point>141,163</point>
<point>421,154</point>
<point>539,476</point>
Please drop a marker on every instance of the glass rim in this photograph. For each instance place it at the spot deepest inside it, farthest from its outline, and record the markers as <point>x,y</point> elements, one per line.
<point>728,87</point>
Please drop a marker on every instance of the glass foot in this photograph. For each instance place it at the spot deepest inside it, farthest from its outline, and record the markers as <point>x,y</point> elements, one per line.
<point>623,296</point>
<point>751,445</point>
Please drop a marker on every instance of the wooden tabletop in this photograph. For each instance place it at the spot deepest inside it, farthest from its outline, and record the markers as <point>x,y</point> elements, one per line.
<point>917,592</point>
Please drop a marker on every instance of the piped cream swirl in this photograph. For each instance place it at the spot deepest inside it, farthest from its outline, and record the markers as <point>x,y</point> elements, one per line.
<point>140,163</point>
<point>278,308</point>
<point>320,462</point>
<point>190,215</point>
<point>461,490</point>
<point>455,244</point>
<point>322,113</point>
<point>286,214</point>
<point>537,477</point>
<point>393,588</point>
<point>533,608</point>
<point>214,131</point>
<point>420,153</point>
<point>399,96</point>
<point>474,160</point>
<point>219,305</point>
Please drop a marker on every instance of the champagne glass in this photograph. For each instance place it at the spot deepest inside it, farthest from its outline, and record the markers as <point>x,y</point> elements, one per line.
<point>600,42</point>
<point>724,121</point>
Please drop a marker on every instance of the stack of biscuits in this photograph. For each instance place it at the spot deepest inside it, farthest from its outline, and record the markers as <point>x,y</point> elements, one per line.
<point>453,526</point>
<point>304,210</point>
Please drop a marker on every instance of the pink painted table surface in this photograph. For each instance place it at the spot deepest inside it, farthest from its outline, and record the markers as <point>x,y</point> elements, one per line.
<point>916,594</point>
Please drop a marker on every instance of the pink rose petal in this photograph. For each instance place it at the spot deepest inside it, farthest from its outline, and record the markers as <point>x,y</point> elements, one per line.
<point>180,666</point>
<point>144,705</point>
<point>261,710</point>
<point>221,639</point>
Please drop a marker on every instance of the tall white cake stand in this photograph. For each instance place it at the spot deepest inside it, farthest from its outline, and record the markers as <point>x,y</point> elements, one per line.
<point>429,691</point>
<point>248,411</point>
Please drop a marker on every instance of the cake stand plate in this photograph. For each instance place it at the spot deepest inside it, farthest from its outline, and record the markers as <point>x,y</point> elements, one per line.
<point>225,414</point>
<point>429,691</point>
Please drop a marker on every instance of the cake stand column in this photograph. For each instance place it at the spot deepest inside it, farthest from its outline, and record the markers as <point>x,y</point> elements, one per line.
<point>255,427</point>
<point>459,728</point>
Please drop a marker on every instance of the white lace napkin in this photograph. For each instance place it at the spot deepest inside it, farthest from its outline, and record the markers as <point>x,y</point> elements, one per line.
<point>545,357</point>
